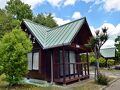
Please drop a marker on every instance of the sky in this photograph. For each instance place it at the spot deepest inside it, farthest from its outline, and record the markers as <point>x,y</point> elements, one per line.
<point>99,13</point>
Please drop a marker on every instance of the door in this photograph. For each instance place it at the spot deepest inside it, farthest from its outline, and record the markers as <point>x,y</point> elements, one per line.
<point>48,65</point>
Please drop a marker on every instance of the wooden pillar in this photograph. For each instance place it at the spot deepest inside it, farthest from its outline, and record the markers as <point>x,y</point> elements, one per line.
<point>54,58</point>
<point>40,57</point>
<point>52,67</point>
<point>81,67</point>
<point>64,77</point>
<point>78,63</point>
<point>88,63</point>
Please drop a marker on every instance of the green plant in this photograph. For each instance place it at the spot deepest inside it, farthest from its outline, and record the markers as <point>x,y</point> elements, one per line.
<point>92,60</point>
<point>1,69</point>
<point>102,62</point>
<point>110,62</point>
<point>83,57</point>
<point>14,47</point>
<point>102,79</point>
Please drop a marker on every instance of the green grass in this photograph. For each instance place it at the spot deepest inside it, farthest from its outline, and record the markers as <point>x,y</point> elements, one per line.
<point>84,85</point>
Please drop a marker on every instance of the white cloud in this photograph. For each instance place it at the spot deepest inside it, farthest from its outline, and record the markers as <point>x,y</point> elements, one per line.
<point>92,30</point>
<point>113,32</point>
<point>33,3</point>
<point>87,1</point>
<point>69,2</point>
<point>76,15</point>
<point>3,3</point>
<point>110,5</point>
<point>61,21</point>
<point>55,2</point>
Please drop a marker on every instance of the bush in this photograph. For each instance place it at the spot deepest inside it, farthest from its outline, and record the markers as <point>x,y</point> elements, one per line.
<point>14,47</point>
<point>102,79</point>
<point>92,60</point>
<point>110,62</point>
<point>83,57</point>
<point>1,70</point>
<point>102,62</point>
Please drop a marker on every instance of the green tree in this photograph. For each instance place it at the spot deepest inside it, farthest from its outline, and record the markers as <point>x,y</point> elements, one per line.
<point>14,47</point>
<point>117,44</point>
<point>46,20</point>
<point>19,9</point>
<point>96,43</point>
<point>7,22</point>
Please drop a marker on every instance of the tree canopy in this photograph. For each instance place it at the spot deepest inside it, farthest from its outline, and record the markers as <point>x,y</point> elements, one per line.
<point>7,22</point>
<point>46,20</point>
<point>117,44</point>
<point>19,10</point>
<point>14,47</point>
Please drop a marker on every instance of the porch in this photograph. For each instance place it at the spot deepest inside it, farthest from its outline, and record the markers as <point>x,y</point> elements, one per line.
<point>79,71</point>
<point>68,65</point>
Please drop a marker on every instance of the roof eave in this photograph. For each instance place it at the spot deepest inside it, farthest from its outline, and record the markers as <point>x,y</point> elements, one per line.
<point>55,46</point>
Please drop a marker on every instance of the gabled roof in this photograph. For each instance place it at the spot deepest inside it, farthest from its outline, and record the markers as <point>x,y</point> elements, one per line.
<point>54,37</point>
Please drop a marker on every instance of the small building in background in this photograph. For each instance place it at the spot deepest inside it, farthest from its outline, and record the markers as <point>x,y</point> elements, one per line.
<point>108,52</point>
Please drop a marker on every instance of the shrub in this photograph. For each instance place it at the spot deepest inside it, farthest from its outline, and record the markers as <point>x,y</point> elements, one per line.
<point>83,57</point>
<point>102,79</point>
<point>1,70</point>
<point>92,60</point>
<point>14,47</point>
<point>110,62</point>
<point>102,62</point>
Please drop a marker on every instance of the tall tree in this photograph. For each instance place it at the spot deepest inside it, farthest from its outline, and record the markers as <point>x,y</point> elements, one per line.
<point>96,43</point>
<point>46,20</point>
<point>19,9</point>
<point>14,47</point>
<point>117,44</point>
<point>7,22</point>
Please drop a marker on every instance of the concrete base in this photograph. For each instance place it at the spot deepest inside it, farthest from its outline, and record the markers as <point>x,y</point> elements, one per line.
<point>37,82</point>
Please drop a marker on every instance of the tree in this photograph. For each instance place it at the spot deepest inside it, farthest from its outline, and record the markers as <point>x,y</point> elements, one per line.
<point>96,43</point>
<point>7,22</point>
<point>46,20</point>
<point>117,44</point>
<point>14,47</point>
<point>19,10</point>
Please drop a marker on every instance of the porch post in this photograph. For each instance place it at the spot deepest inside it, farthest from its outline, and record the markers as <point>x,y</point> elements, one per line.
<point>87,63</point>
<point>51,68</point>
<point>64,78</point>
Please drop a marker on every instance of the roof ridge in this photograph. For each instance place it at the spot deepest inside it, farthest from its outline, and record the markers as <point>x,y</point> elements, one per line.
<point>36,23</point>
<point>68,23</point>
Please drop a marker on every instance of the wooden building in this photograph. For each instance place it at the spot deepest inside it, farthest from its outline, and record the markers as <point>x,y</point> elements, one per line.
<point>55,56</point>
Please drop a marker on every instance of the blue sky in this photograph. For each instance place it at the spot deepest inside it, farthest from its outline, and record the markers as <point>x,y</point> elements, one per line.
<point>99,13</point>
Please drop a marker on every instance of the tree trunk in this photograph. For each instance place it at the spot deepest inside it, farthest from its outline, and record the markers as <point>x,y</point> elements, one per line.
<point>96,51</point>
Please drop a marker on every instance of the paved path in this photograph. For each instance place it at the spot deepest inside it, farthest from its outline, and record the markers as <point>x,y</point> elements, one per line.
<point>114,86</point>
<point>116,74</point>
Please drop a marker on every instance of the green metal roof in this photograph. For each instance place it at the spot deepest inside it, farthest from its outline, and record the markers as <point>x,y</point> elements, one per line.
<point>54,37</point>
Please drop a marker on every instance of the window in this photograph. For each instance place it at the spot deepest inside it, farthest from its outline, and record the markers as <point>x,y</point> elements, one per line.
<point>36,61</point>
<point>33,61</point>
<point>29,61</point>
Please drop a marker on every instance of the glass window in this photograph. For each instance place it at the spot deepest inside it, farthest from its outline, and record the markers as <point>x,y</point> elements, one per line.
<point>29,61</point>
<point>36,61</point>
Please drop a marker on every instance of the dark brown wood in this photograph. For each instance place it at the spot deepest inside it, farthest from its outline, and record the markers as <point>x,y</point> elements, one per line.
<point>85,68</point>
<point>64,77</point>
<point>74,70</point>
<point>88,64</point>
<point>44,73</point>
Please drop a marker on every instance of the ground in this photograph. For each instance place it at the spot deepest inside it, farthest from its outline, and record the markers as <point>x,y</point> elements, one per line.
<point>82,85</point>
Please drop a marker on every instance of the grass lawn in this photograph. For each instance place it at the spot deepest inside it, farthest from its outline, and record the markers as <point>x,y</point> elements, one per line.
<point>84,85</point>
